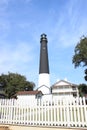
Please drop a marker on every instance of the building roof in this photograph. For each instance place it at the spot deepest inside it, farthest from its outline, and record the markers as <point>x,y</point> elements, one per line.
<point>62,83</point>
<point>28,92</point>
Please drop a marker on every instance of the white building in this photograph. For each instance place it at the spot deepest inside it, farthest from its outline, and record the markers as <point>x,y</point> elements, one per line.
<point>64,89</point>
<point>29,97</point>
<point>60,90</point>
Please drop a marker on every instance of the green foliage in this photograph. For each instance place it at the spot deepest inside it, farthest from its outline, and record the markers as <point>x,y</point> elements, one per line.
<point>80,56</point>
<point>85,75</point>
<point>82,89</point>
<point>13,83</point>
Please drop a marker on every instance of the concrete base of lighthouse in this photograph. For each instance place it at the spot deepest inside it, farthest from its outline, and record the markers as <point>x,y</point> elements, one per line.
<point>44,83</point>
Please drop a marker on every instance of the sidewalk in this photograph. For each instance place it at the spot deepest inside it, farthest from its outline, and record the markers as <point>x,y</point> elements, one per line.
<point>13,127</point>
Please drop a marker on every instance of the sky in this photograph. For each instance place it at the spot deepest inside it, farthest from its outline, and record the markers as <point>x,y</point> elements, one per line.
<point>21,24</point>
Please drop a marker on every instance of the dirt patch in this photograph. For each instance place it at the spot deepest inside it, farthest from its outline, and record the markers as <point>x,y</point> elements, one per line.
<point>4,128</point>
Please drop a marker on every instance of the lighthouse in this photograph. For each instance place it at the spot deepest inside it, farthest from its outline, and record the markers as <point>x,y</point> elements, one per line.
<point>44,76</point>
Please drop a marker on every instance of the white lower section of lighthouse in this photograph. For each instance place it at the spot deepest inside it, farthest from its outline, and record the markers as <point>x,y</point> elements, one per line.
<point>44,83</point>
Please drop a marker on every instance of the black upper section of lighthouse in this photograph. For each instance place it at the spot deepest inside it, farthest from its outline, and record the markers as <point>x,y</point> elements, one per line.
<point>44,63</point>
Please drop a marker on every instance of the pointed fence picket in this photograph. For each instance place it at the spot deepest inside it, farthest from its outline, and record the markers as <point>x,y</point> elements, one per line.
<point>67,113</point>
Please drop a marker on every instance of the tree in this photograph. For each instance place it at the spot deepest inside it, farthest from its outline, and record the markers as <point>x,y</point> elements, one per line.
<point>82,89</point>
<point>13,83</point>
<point>80,56</point>
<point>85,75</point>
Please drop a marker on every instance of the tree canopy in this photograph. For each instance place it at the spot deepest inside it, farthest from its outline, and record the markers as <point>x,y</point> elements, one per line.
<point>82,89</point>
<point>80,56</point>
<point>13,82</point>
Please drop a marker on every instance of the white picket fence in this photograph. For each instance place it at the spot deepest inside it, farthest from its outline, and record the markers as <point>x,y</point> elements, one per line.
<point>65,113</point>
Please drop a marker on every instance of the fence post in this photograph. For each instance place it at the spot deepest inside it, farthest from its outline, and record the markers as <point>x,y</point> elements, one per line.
<point>85,111</point>
<point>54,112</point>
<point>68,116</point>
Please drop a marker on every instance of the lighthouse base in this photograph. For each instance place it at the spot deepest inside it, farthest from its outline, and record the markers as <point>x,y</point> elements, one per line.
<point>44,83</point>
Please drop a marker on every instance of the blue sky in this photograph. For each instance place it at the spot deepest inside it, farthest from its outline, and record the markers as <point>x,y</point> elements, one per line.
<point>21,24</point>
